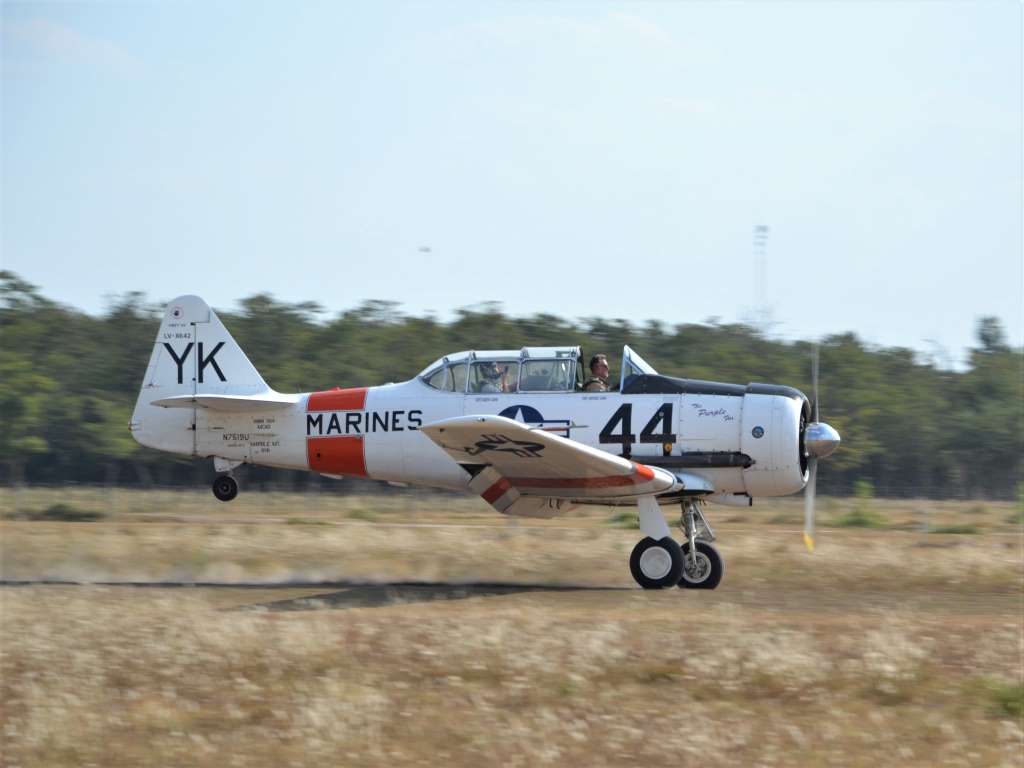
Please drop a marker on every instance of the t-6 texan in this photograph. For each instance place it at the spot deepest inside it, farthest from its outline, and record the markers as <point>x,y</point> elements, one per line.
<point>515,427</point>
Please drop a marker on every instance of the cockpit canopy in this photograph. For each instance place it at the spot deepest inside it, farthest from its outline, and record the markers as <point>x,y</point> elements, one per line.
<point>530,369</point>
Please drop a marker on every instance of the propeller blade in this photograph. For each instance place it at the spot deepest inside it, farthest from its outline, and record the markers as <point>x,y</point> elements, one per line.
<point>814,380</point>
<point>809,491</point>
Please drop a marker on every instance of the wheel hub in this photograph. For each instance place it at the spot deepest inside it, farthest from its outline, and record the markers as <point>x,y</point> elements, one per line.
<point>695,570</point>
<point>655,563</point>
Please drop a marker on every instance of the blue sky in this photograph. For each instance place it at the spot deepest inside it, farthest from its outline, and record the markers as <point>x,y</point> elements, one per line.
<point>594,159</point>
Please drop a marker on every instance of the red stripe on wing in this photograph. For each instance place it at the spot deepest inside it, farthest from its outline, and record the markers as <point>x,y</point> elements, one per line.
<point>496,491</point>
<point>641,474</point>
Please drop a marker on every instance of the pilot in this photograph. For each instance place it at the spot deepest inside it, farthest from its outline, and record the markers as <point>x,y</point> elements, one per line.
<point>598,381</point>
<point>492,377</point>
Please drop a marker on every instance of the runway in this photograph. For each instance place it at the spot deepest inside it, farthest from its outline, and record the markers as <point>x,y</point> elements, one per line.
<point>493,645</point>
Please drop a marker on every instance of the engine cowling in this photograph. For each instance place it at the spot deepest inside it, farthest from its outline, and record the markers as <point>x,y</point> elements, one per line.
<point>772,435</point>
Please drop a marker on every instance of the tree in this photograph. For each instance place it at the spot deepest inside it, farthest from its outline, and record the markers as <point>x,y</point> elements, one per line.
<point>68,382</point>
<point>24,401</point>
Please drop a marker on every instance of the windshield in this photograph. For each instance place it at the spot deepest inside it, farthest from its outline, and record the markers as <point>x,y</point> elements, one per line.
<point>530,369</point>
<point>633,365</point>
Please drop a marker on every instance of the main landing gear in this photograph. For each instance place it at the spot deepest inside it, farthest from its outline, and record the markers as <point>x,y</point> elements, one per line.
<point>658,561</point>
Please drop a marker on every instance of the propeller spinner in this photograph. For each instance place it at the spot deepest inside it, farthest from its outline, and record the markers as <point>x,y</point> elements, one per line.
<point>820,440</point>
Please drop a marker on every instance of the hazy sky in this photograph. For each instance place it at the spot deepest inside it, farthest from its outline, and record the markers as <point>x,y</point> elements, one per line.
<point>580,159</point>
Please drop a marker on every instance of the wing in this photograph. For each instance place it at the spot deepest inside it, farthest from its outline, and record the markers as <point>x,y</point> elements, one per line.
<point>520,470</point>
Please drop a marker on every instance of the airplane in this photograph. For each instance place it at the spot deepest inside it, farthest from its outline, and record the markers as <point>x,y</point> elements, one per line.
<point>512,426</point>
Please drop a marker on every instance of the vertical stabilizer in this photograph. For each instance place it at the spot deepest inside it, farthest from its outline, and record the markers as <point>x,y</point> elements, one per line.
<point>193,354</point>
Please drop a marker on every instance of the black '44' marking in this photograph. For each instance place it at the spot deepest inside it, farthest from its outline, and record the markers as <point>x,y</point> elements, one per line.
<point>623,416</point>
<point>663,418</point>
<point>622,420</point>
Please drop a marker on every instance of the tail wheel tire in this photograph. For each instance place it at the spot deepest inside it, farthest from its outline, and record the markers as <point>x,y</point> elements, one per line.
<point>225,487</point>
<point>656,564</point>
<point>708,571</point>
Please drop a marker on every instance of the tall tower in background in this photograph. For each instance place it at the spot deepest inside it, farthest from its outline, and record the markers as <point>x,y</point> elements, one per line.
<point>760,275</point>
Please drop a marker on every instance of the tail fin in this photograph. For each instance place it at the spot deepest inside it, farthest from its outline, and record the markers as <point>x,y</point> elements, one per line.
<point>193,354</point>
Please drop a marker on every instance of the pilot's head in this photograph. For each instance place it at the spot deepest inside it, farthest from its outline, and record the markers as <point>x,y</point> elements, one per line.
<point>490,370</point>
<point>599,366</point>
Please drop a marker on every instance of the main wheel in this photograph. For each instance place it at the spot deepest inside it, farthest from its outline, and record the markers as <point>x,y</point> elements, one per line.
<point>225,487</point>
<point>709,569</point>
<point>656,564</point>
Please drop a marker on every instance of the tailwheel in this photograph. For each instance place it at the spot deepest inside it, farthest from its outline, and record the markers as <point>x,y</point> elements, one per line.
<point>704,571</point>
<point>225,487</point>
<point>656,564</point>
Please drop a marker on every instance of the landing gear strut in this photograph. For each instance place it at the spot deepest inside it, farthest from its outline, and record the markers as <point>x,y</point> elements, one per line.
<point>703,566</point>
<point>657,561</point>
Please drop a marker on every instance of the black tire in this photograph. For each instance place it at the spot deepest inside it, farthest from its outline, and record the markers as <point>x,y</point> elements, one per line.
<point>660,573</point>
<point>713,567</point>
<point>225,487</point>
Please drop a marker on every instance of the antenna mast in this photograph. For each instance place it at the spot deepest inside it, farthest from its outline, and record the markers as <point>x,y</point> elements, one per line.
<point>760,271</point>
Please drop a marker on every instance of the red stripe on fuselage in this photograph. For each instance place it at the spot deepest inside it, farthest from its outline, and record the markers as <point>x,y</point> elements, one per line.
<point>641,474</point>
<point>342,455</point>
<point>336,455</point>
<point>353,399</point>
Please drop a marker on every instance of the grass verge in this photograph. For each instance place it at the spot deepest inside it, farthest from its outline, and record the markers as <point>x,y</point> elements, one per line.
<point>63,513</point>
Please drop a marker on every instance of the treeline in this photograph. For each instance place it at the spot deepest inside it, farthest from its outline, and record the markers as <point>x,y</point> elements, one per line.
<point>68,383</point>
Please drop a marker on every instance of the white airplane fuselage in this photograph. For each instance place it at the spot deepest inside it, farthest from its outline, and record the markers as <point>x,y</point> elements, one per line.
<point>743,442</point>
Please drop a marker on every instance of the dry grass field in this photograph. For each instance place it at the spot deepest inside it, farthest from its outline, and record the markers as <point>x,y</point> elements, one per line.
<point>412,629</point>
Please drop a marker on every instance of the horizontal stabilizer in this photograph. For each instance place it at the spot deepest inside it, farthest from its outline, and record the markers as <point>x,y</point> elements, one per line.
<point>265,401</point>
